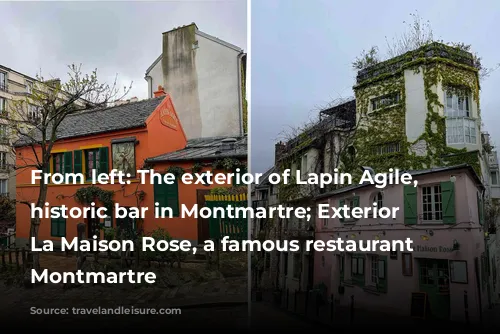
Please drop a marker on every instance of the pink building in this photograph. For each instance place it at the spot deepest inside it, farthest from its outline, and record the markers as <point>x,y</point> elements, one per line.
<point>442,216</point>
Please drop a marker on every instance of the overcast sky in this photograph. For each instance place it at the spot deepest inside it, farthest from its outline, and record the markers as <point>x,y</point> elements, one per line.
<point>117,38</point>
<point>302,53</point>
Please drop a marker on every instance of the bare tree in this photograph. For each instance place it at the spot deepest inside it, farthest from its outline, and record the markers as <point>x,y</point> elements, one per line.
<point>35,122</point>
<point>417,34</point>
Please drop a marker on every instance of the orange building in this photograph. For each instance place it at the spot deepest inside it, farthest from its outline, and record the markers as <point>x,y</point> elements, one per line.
<point>127,137</point>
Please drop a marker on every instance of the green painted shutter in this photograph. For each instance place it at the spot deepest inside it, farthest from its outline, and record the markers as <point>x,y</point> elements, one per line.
<point>160,195</point>
<point>103,160</point>
<point>62,227</point>
<point>77,155</point>
<point>448,198</point>
<point>382,273</point>
<point>172,197</point>
<point>355,201</point>
<point>54,227</point>
<point>341,204</point>
<point>480,209</point>
<point>410,204</point>
<point>68,162</point>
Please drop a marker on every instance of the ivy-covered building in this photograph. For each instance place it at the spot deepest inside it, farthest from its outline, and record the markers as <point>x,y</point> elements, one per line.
<point>127,137</point>
<point>420,110</point>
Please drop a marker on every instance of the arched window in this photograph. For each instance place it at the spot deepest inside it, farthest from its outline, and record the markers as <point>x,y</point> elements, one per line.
<point>379,199</point>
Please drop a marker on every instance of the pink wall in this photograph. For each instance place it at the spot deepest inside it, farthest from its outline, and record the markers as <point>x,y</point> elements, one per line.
<point>467,231</point>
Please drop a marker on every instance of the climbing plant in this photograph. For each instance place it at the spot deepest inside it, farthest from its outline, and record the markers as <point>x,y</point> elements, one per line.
<point>87,195</point>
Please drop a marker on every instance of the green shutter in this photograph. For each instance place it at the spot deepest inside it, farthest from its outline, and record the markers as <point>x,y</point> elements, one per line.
<point>62,227</point>
<point>355,201</point>
<point>172,196</point>
<point>68,162</point>
<point>77,161</point>
<point>448,198</point>
<point>480,209</point>
<point>103,160</point>
<point>160,195</point>
<point>382,273</point>
<point>341,204</point>
<point>54,227</point>
<point>410,204</point>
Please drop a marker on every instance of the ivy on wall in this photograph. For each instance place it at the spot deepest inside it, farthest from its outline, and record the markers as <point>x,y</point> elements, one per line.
<point>389,124</point>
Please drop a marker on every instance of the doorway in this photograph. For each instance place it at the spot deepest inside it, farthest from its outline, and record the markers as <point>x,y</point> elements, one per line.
<point>203,223</point>
<point>93,227</point>
<point>434,280</point>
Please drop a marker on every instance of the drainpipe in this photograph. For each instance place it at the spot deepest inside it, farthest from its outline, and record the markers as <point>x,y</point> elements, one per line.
<point>150,85</point>
<point>240,87</point>
<point>487,253</point>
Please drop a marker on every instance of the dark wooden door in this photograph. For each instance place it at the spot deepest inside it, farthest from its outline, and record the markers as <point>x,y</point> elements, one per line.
<point>203,223</point>
<point>93,227</point>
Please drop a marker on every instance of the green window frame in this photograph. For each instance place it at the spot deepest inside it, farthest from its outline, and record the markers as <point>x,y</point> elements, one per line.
<point>58,227</point>
<point>99,159</point>
<point>358,269</point>
<point>167,196</point>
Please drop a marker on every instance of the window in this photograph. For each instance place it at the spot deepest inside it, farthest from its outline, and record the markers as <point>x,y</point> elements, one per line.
<point>3,81</point>
<point>494,178</point>
<point>124,157</point>
<point>351,203</point>
<point>432,203</point>
<point>58,163</point>
<point>3,106</point>
<point>3,132</point>
<point>304,165</point>
<point>407,260</point>
<point>92,161</point>
<point>385,101</point>
<point>358,269</point>
<point>460,131</point>
<point>29,87</point>
<point>58,227</point>
<point>4,187</point>
<point>378,199</point>
<point>3,160</point>
<point>34,113</point>
<point>167,196</point>
<point>325,222</point>
<point>457,104</point>
<point>387,148</point>
<point>297,265</point>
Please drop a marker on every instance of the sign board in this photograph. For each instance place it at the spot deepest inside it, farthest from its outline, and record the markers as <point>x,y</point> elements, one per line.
<point>418,304</point>
<point>433,249</point>
<point>168,117</point>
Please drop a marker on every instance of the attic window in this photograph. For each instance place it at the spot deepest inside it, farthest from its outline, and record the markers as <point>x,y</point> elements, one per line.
<point>195,45</point>
<point>228,144</point>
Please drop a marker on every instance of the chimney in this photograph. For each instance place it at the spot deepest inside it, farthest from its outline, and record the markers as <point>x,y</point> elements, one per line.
<point>134,99</point>
<point>54,83</point>
<point>160,92</point>
<point>228,144</point>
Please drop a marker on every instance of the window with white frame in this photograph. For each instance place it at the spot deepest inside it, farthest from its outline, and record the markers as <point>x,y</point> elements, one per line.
<point>379,199</point>
<point>3,81</point>
<point>3,160</point>
<point>29,87</point>
<point>494,178</point>
<point>457,104</point>
<point>461,128</point>
<point>34,113</point>
<point>460,131</point>
<point>4,187</point>
<point>432,203</point>
<point>304,165</point>
<point>3,105</point>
